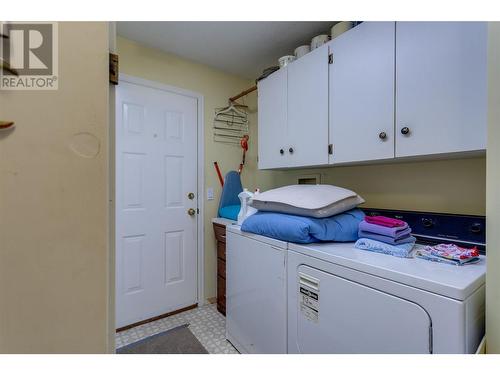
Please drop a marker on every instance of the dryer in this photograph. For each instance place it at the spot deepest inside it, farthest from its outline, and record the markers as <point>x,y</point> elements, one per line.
<point>345,300</point>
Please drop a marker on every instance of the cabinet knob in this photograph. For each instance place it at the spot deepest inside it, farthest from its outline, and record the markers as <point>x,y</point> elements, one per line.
<point>290,150</point>
<point>427,223</point>
<point>405,130</point>
<point>476,228</point>
<point>382,135</point>
<point>282,151</point>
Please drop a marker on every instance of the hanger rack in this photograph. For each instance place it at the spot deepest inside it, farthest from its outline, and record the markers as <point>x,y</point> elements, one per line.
<point>231,122</point>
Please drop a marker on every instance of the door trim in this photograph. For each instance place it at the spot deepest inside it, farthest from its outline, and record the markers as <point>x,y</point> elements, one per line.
<point>200,171</point>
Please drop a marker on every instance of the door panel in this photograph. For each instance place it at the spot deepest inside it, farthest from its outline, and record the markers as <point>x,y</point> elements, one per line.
<point>308,109</point>
<point>272,102</point>
<point>441,93</point>
<point>353,318</point>
<point>361,99</point>
<point>156,167</point>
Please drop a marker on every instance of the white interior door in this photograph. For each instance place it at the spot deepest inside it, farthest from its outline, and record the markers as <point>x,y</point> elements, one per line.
<point>156,169</point>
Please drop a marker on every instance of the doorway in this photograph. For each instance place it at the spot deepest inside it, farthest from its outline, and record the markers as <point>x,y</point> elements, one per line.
<point>158,213</point>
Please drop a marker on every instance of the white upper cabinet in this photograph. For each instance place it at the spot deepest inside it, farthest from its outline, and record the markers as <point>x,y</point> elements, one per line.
<point>272,102</point>
<point>361,82</point>
<point>394,89</point>
<point>308,109</point>
<point>441,91</point>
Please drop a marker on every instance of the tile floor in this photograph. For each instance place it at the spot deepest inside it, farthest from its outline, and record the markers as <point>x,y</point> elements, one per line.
<point>206,323</point>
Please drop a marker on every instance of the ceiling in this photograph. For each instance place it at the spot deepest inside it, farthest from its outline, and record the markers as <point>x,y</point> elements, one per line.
<point>241,48</point>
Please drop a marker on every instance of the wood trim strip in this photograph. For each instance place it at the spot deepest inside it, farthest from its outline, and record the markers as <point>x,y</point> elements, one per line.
<point>156,318</point>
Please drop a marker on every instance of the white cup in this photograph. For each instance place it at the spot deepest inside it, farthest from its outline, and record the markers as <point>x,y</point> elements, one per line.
<point>319,40</point>
<point>302,50</point>
<point>340,28</point>
<point>285,60</point>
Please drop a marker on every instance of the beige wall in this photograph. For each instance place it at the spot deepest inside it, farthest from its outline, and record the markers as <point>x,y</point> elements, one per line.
<point>53,205</point>
<point>216,87</point>
<point>452,186</point>
<point>493,194</point>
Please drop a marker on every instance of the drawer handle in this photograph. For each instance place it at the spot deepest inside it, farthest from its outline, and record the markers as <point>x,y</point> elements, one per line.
<point>405,130</point>
<point>282,151</point>
<point>290,150</point>
<point>382,135</point>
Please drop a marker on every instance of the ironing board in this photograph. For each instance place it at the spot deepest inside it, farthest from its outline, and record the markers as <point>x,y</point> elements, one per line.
<point>229,204</point>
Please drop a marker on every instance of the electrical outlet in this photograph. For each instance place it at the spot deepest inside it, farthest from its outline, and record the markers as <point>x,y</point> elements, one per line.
<point>210,193</point>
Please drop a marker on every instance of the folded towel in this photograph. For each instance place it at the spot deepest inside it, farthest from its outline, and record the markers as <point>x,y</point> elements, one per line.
<point>395,232</point>
<point>390,240</point>
<point>401,251</point>
<point>385,221</point>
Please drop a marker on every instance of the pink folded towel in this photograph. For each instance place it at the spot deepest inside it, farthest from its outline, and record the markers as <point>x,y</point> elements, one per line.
<point>385,221</point>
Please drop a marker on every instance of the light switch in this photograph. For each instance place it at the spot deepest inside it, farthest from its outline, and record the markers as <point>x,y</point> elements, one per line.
<point>210,193</point>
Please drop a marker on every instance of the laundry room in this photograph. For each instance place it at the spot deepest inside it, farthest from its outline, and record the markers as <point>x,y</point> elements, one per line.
<point>259,186</point>
<point>256,140</point>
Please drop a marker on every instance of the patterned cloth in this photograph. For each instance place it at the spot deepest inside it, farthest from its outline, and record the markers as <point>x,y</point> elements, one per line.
<point>448,253</point>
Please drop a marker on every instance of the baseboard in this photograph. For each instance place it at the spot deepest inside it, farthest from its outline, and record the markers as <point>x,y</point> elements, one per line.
<point>157,318</point>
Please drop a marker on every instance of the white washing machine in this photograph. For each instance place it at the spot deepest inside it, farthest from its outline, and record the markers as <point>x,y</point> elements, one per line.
<point>255,292</point>
<point>345,300</point>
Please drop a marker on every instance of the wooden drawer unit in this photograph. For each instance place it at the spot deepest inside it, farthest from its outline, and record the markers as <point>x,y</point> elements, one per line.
<point>221,295</point>
<point>220,232</point>
<point>221,250</point>
<point>221,268</point>
<point>220,236</point>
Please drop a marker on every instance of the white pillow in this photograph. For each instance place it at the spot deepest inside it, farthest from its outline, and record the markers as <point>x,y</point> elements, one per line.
<point>307,200</point>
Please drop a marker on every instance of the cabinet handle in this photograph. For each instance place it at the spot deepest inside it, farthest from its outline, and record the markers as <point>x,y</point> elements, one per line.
<point>382,135</point>
<point>290,150</point>
<point>282,151</point>
<point>405,130</point>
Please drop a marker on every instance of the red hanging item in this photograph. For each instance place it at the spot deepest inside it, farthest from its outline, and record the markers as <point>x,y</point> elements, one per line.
<point>244,146</point>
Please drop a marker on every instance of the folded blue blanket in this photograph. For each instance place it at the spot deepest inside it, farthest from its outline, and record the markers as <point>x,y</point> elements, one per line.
<point>402,251</point>
<point>301,229</point>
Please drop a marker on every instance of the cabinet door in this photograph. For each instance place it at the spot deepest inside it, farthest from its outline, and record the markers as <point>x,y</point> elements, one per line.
<point>272,102</point>
<point>308,109</point>
<point>362,93</point>
<point>441,92</point>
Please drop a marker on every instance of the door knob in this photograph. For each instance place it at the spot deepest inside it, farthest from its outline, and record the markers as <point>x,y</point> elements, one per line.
<point>382,135</point>
<point>191,212</point>
<point>405,130</point>
<point>191,196</point>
